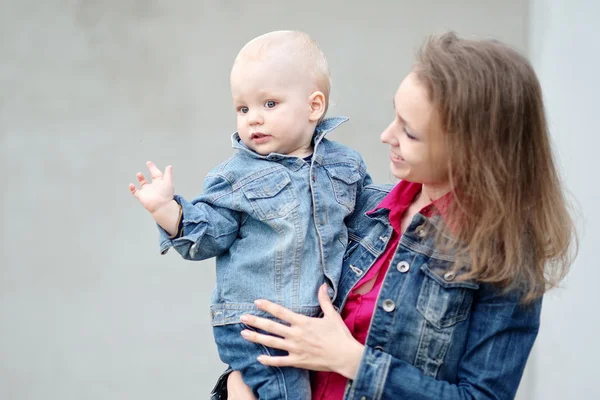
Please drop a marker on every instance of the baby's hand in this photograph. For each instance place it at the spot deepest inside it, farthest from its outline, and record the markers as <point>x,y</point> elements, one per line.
<point>156,194</point>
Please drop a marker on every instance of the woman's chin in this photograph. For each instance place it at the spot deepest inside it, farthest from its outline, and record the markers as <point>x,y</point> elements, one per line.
<point>399,171</point>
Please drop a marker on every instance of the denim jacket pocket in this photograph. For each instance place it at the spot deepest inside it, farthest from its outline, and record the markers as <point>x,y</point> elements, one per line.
<point>271,196</point>
<point>444,300</point>
<point>344,181</point>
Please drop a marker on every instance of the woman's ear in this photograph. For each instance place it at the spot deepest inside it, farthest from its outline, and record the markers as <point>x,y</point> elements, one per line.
<point>316,102</point>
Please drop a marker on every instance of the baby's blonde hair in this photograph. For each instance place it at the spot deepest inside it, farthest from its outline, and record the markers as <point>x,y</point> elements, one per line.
<point>303,50</point>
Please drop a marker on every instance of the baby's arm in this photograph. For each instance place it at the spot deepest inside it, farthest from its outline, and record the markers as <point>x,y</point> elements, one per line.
<point>157,197</point>
<point>365,181</point>
<point>200,229</point>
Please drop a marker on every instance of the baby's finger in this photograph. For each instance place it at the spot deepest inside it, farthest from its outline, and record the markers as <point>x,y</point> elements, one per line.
<point>169,173</point>
<point>141,179</point>
<point>325,301</point>
<point>133,190</point>
<point>154,171</point>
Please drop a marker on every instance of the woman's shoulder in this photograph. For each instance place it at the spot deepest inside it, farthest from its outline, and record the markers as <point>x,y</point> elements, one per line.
<point>369,198</point>
<point>380,188</point>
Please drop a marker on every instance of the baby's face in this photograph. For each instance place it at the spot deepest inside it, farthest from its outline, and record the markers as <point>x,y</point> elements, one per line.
<point>273,108</point>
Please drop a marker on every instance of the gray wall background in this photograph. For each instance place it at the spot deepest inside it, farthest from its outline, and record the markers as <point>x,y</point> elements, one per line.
<point>563,44</point>
<point>90,90</point>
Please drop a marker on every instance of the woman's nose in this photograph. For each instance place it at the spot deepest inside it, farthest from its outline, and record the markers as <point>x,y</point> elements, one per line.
<point>388,137</point>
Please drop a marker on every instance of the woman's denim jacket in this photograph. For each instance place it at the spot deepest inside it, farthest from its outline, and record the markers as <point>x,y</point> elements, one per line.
<point>433,336</point>
<point>274,223</point>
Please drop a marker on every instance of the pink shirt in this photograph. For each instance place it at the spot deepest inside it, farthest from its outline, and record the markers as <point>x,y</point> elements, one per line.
<point>358,310</point>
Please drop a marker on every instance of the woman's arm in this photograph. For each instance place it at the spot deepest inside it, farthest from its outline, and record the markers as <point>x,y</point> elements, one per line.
<point>501,335</point>
<point>237,389</point>
<point>230,386</point>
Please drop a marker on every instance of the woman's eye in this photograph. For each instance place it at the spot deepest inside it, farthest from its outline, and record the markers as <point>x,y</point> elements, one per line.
<point>270,104</point>
<point>408,135</point>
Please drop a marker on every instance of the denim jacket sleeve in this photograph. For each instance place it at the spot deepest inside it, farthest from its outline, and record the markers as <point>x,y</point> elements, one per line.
<point>366,181</point>
<point>210,222</point>
<point>499,341</point>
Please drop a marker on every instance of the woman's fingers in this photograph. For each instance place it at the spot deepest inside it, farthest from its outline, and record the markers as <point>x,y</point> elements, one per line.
<point>266,340</point>
<point>266,325</point>
<point>276,361</point>
<point>325,301</point>
<point>278,311</point>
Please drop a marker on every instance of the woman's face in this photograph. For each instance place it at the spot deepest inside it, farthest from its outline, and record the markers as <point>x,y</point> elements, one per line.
<point>418,152</point>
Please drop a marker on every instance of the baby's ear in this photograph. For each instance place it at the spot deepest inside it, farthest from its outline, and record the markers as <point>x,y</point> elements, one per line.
<point>316,102</point>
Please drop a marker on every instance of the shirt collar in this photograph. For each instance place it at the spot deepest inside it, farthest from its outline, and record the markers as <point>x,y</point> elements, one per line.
<point>401,197</point>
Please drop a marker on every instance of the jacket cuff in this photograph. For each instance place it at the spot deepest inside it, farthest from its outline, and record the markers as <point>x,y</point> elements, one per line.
<point>165,239</point>
<point>371,375</point>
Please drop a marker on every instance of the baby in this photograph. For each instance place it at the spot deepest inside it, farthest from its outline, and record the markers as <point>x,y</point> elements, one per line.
<point>273,213</point>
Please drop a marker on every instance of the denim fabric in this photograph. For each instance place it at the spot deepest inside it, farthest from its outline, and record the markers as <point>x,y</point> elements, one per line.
<point>275,223</point>
<point>267,383</point>
<point>433,335</point>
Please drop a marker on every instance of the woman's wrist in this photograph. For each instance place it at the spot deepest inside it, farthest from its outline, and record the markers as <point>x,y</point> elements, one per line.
<point>351,361</point>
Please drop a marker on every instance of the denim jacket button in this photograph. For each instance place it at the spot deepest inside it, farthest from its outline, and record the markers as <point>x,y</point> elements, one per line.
<point>449,276</point>
<point>403,267</point>
<point>356,270</point>
<point>388,305</point>
<point>421,231</point>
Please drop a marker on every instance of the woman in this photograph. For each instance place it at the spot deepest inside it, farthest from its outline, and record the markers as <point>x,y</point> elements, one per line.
<point>443,277</point>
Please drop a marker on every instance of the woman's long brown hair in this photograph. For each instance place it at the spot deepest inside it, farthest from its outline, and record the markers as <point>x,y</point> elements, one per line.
<point>509,208</point>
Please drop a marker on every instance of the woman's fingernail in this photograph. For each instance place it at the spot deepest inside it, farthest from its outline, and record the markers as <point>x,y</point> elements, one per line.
<point>257,303</point>
<point>245,333</point>
<point>244,318</point>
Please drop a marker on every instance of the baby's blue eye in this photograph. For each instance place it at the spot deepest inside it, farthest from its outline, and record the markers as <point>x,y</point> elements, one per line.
<point>243,110</point>
<point>270,104</point>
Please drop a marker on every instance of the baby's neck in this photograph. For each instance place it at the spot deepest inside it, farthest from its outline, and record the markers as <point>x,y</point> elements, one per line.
<point>303,152</point>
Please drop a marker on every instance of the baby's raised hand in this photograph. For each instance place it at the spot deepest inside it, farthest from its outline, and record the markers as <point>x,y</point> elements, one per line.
<point>158,192</point>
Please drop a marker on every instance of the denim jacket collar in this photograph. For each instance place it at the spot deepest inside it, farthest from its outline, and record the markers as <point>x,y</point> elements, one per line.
<point>326,126</point>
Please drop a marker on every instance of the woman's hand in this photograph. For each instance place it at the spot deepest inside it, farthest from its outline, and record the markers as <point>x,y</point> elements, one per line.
<point>237,389</point>
<point>319,344</point>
